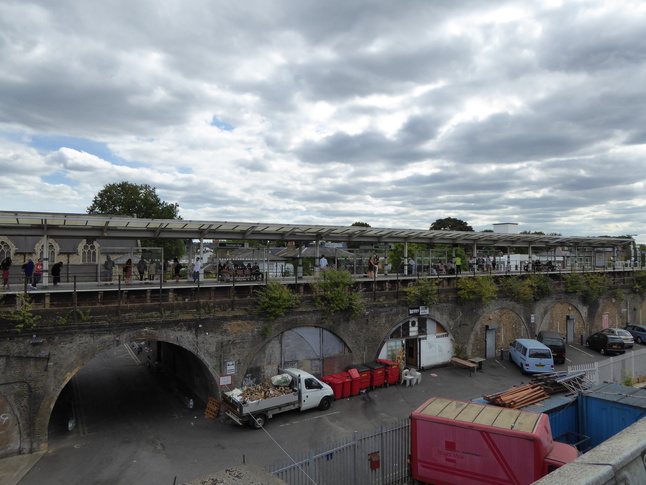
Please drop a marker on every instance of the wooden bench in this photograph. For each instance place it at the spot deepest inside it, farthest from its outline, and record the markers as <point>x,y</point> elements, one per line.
<point>464,364</point>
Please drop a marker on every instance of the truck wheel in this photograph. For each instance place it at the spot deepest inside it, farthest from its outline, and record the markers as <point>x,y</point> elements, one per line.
<point>258,421</point>
<point>325,404</point>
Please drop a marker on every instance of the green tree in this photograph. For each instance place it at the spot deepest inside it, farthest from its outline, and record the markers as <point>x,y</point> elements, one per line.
<point>141,201</point>
<point>356,245</point>
<point>450,224</point>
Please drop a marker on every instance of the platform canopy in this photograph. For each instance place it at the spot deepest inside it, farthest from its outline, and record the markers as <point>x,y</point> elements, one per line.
<point>123,227</point>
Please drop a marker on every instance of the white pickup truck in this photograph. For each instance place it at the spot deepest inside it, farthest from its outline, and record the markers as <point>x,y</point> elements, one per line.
<point>307,393</point>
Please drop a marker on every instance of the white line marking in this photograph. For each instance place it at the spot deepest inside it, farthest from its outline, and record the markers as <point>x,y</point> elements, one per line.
<point>310,419</point>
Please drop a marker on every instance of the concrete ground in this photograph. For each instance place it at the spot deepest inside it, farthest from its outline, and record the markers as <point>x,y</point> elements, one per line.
<point>190,446</point>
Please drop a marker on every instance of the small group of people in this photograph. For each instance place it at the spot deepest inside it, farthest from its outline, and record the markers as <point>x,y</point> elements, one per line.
<point>33,272</point>
<point>227,270</point>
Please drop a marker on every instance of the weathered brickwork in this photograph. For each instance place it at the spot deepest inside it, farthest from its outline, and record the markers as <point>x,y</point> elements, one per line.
<point>36,365</point>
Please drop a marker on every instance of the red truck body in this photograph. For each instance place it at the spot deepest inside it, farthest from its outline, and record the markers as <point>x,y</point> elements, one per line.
<point>455,442</point>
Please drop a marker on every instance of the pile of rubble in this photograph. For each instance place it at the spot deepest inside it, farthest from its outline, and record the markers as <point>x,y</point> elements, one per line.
<point>263,391</point>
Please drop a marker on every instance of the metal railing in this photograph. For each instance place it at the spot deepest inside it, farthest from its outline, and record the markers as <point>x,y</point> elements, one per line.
<point>376,457</point>
<point>615,369</point>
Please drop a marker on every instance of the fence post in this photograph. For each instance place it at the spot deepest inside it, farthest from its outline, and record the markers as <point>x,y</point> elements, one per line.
<point>356,456</point>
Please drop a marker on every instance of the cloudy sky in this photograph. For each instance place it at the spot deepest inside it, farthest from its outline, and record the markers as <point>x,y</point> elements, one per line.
<point>394,113</point>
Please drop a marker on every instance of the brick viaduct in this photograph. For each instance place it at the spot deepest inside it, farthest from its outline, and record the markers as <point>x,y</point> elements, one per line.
<point>208,328</point>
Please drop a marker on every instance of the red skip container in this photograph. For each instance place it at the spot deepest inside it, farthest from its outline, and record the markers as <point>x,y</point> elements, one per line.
<point>377,373</point>
<point>392,371</point>
<point>364,375</point>
<point>335,383</point>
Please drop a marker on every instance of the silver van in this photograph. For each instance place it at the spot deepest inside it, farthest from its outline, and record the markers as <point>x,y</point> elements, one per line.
<point>531,355</point>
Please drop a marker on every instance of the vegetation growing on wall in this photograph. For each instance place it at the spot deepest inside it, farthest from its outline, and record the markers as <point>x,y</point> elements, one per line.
<point>275,299</point>
<point>423,292</point>
<point>22,316</point>
<point>482,289</point>
<point>591,286</point>
<point>527,288</point>
<point>639,285</point>
<point>334,289</point>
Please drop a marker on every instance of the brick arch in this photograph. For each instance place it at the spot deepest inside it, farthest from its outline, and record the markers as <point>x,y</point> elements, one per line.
<point>274,352</point>
<point>555,319</point>
<point>510,326</point>
<point>616,317</point>
<point>72,357</point>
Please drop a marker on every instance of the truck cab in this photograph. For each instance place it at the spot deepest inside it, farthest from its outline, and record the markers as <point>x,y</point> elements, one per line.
<point>312,392</point>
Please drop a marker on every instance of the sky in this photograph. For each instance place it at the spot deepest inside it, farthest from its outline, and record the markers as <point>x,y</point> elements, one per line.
<point>393,113</point>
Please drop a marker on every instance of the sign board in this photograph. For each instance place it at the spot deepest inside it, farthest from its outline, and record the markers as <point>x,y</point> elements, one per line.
<point>532,318</point>
<point>226,381</point>
<point>230,245</point>
<point>421,310</point>
<point>231,368</point>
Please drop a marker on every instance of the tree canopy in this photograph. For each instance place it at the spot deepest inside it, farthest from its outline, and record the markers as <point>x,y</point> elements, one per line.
<point>139,201</point>
<point>128,199</point>
<point>450,224</point>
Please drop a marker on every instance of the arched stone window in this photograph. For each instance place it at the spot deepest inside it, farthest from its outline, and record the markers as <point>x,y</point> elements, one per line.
<point>6,249</point>
<point>89,252</point>
<point>53,250</point>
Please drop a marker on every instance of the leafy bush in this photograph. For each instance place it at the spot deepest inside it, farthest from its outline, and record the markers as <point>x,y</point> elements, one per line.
<point>541,286</point>
<point>591,286</point>
<point>574,283</point>
<point>482,289</point>
<point>423,292</point>
<point>518,288</point>
<point>275,299</point>
<point>597,284</point>
<point>22,316</point>
<point>639,285</point>
<point>334,289</point>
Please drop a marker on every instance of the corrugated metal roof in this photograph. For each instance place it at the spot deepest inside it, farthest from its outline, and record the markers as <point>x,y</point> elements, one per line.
<point>628,396</point>
<point>107,226</point>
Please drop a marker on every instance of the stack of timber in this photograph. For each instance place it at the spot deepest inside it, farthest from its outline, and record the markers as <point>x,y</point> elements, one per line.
<point>517,397</point>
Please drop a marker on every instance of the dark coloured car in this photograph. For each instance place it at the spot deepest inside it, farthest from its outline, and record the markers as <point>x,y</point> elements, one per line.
<point>555,342</point>
<point>638,332</point>
<point>606,344</point>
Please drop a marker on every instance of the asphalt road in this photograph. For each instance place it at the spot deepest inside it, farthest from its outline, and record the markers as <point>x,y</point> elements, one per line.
<point>131,429</point>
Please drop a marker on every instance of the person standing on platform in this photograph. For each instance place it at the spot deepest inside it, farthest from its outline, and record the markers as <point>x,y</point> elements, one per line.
<point>56,272</point>
<point>5,265</point>
<point>38,273</point>
<point>196,269</point>
<point>458,265</point>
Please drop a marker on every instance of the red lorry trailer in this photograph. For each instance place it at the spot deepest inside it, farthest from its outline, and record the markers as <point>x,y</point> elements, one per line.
<point>462,443</point>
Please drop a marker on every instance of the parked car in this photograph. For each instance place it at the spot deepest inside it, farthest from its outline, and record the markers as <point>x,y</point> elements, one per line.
<point>638,332</point>
<point>531,355</point>
<point>555,342</point>
<point>622,334</point>
<point>606,343</point>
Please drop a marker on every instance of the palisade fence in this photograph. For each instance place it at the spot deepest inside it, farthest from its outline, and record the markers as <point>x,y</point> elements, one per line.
<point>375,457</point>
<point>614,369</point>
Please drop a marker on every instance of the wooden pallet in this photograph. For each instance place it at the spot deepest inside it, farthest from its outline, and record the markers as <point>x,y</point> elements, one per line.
<point>212,408</point>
